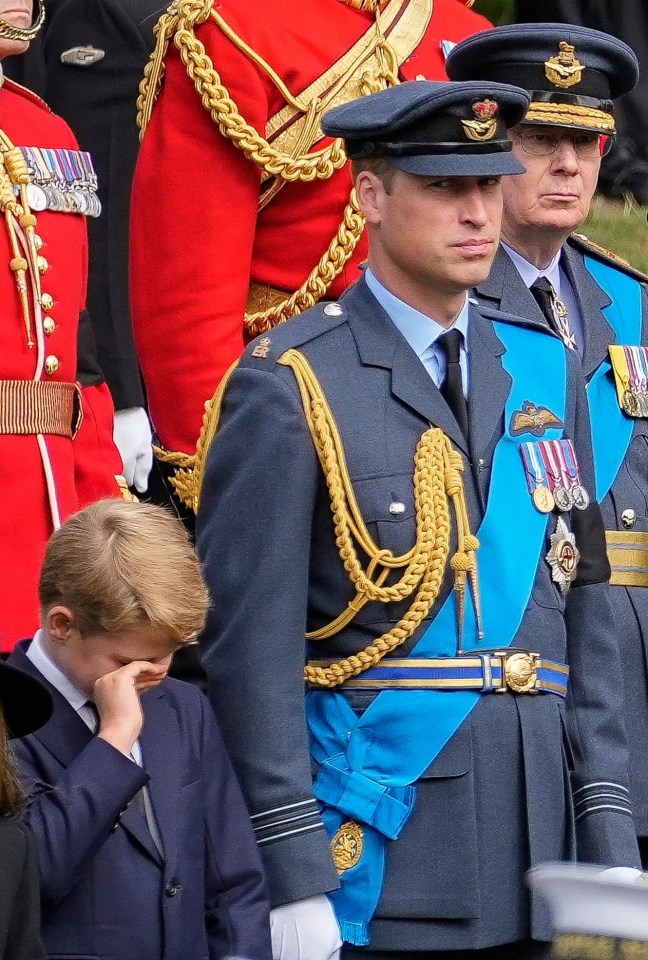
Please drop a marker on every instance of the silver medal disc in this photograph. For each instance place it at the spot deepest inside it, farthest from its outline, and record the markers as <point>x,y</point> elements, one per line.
<point>580,496</point>
<point>36,197</point>
<point>563,499</point>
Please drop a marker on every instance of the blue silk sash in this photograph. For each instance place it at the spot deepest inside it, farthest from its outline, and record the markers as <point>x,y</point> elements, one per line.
<point>611,427</point>
<point>366,774</point>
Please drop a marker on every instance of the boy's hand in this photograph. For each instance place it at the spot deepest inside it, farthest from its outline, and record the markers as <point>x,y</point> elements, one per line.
<point>116,696</point>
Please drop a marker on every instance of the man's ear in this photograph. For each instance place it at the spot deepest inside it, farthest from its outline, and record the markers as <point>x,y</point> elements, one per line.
<point>59,623</point>
<point>370,191</point>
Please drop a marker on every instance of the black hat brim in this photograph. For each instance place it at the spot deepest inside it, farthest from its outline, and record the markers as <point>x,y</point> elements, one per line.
<point>26,702</point>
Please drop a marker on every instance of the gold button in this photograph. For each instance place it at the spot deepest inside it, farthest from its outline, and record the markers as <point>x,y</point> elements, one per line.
<point>42,264</point>
<point>48,326</point>
<point>47,302</point>
<point>51,364</point>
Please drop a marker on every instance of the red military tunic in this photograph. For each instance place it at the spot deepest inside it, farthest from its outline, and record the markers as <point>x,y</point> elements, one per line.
<point>43,481</point>
<point>198,240</point>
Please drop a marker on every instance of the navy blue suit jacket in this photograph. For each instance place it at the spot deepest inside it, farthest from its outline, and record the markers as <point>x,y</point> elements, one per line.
<point>106,890</point>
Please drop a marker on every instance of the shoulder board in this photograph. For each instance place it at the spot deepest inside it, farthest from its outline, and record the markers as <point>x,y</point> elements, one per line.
<point>265,350</point>
<point>492,313</point>
<point>581,242</point>
<point>26,93</point>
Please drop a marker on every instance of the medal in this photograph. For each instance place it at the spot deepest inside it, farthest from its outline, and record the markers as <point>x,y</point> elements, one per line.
<point>541,495</point>
<point>543,499</point>
<point>563,498</point>
<point>563,556</point>
<point>36,197</point>
<point>580,496</point>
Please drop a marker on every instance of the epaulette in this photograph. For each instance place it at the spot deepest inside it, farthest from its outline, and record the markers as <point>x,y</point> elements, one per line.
<point>492,313</point>
<point>26,93</point>
<point>266,350</point>
<point>582,243</point>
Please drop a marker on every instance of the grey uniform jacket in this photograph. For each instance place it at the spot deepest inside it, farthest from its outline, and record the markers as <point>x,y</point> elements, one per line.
<point>499,796</point>
<point>505,290</point>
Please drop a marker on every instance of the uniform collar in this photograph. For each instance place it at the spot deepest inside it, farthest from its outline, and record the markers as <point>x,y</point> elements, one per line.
<point>420,331</point>
<point>530,273</point>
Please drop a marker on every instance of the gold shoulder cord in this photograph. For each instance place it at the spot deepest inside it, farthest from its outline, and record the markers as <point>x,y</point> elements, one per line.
<point>298,165</point>
<point>437,478</point>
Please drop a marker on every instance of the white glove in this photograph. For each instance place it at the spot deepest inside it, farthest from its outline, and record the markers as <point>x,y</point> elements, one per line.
<point>132,436</point>
<point>305,930</point>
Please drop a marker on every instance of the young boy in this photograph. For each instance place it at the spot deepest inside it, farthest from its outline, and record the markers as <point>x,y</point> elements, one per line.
<point>145,846</point>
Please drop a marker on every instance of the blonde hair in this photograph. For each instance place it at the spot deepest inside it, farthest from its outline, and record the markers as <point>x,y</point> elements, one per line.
<point>119,566</point>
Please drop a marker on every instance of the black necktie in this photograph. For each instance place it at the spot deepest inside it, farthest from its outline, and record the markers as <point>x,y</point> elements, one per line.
<point>545,296</point>
<point>452,386</point>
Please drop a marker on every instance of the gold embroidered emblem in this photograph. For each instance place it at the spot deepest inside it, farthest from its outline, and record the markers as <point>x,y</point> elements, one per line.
<point>564,70</point>
<point>262,348</point>
<point>346,846</point>
<point>533,420</point>
<point>484,125</point>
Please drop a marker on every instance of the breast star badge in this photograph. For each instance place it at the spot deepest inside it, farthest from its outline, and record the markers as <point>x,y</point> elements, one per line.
<point>563,556</point>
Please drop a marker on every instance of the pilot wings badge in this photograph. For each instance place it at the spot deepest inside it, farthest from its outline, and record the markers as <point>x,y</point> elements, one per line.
<point>532,419</point>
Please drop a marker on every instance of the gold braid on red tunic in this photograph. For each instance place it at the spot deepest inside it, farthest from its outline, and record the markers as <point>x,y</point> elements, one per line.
<point>373,67</point>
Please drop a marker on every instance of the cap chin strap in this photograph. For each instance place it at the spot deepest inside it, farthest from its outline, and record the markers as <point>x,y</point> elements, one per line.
<point>9,32</point>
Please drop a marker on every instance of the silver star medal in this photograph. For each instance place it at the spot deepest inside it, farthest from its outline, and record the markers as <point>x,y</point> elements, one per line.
<point>563,556</point>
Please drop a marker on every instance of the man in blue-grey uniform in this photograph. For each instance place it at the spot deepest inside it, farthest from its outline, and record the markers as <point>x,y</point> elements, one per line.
<point>596,302</point>
<point>376,518</point>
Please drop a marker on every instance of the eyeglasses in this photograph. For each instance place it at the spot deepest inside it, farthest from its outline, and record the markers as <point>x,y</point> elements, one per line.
<point>542,143</point>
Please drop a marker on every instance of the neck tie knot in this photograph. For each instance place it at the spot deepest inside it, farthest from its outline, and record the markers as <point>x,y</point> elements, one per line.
<point>553,309</point>
<point>450,343</point>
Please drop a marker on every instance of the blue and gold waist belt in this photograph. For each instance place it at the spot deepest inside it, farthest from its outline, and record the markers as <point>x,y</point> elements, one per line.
<point>485,672</point>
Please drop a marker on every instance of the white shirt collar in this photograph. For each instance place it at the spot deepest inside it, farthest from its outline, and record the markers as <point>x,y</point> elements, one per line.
<point>37,654</point>
<point>420,331</point>
<point>530,273</point>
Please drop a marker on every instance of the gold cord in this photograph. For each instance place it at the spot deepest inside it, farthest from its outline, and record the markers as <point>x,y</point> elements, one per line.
<point>437,480</point>
<point>280,167</point>
<point>14,173</point>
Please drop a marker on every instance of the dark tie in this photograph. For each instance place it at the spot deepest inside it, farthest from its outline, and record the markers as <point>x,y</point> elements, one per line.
<point>452,386</point>
<point>553,309</point>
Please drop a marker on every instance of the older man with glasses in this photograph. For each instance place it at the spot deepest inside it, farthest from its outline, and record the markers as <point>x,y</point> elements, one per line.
<point>593,300</point>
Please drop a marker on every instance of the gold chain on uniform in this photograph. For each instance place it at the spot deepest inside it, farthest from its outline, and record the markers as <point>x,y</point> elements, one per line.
<point>14,172</point>
<point>179,23</point>
<point>25,35</point>
<point>437,479</point>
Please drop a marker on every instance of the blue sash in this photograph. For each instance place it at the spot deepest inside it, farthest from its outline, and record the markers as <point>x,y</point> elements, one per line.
<point>611,427</point>
<point>365,773</point>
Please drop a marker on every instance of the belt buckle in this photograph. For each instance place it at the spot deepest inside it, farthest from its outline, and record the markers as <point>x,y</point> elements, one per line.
<point>519,671</point>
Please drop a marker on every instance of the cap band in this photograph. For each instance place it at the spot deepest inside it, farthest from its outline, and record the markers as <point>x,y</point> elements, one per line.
<point>369,148</point>
<point>570,115</point>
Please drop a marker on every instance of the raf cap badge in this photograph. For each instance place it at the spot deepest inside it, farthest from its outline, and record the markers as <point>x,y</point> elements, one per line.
<point>484,125</point>
<point>564,70</point>
<point>82,56</point>
<point>563,556</point>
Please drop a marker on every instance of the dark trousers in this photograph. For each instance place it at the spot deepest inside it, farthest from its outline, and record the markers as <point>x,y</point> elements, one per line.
<point>522,950</point>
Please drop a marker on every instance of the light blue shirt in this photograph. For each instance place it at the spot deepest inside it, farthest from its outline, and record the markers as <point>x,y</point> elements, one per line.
<point>559,281</point>
<point>422,332</point>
